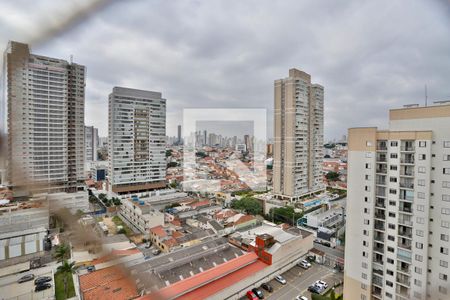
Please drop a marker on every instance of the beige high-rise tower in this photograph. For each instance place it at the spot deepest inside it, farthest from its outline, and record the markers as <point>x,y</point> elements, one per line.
<point>45,108</point>
<point>398,207</point>
<point>298,136</point>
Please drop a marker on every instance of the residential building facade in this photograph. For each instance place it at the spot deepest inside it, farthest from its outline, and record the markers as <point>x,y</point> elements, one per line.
<point>91,143</point>
<point>398,207</point>
<point>298,136</point>
<point>136,148</point>
<point>45,119</point>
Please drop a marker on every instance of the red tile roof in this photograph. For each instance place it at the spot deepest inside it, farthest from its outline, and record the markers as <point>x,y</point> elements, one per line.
<point>201,203</point>
<point>106,284</point>
<point>159,231</point>
<point>244,219</point>
<point>209,282</point>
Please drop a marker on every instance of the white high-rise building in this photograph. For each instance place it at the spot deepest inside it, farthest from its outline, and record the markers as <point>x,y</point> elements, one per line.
<point>298,136</point>
<point>91,142</point>
<point>398,207</point>
<point>136,147</point>
<point>45,122</point>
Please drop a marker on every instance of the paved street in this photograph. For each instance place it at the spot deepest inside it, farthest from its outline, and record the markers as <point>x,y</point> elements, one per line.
<point>10,289</point>
<point>332,253</point>
<point>298,281</point>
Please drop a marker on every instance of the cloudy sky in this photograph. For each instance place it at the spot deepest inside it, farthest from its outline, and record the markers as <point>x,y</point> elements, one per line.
<point>369,55</point>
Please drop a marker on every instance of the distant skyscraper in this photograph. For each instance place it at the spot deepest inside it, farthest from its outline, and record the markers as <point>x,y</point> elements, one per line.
<point>298,146</point>
<point>398,207</point>
<point>205,138</point>
<point>91,142</point>
<point>179,135</point>
<point>45,122</point>
<point>137,132</point>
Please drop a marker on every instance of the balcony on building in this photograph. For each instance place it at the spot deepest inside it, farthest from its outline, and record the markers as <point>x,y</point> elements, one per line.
<point>403,267</point>
<point>378,247</point>
<point>403,279</point>
<point>377,280</point>
<point>381,157</point>
<point>382,145</point>
<point>378,270</point>
<point>407,183</point>
<point>404,243</point>
<point>379,225</point>
<point>404,255</point>
<point>406,170</point>
<point>378,236</point>
<point>407,146</point>
<point>380,179</point>
<point>405,219</point>
<point>407,195</point>
<point>377,292</point>
<point>404,231</point>
<point>378,258</point>
<point>380,191</point>
<point>381,169</point>
<point>380,203</point>
<point>407,158</point>
<point>403,292</point>
<point>405,207</point>
<point>380,214</point>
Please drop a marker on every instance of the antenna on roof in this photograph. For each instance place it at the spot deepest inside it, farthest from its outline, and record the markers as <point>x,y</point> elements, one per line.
<point>426,96</point>
<point>71,58</point>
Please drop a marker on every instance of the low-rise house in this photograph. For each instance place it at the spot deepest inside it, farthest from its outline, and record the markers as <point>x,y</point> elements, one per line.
<point>140,215</point>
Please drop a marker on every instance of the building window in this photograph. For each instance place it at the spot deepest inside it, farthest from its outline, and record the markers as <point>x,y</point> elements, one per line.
<point>418,270</point>
<point>394,155</point>
<point>392,191</point>
<point>391,238</point>
<point>394,143</point>
<point>443,263</point>
<point>421,170</point>
<point>446,144</point>
<point>390,249</point>
<point>446,198</point>
<point>368,154</point>
<point>390,261</point>
<point>443,290</point>
<point>444,237</point>
<point>364,276</point>
<point>445,211</point>
<point>445,224</point>
<point>363,285</point>
<point>420,207</point>
<point>422,157</point>
<point>422,144</point>
<point>446,171</point>
<point>421,195</point>
<point>446,184</point>
<point>420,220</point>
<point>419,245</point>
<point>393,167</point>
<point>446,157</point>
<point>421,182</point>
<point>389,272</point>
<point>417,282</point>
<point>364,265</point>
<point>389,283</point>
<point>418,257</point>
<point>444,250</point>
<point>443,276</point>
<point>368,166</point>
<point>419,232</point>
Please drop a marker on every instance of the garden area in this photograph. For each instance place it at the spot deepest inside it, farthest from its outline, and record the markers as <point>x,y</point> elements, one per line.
<point>125,229</point>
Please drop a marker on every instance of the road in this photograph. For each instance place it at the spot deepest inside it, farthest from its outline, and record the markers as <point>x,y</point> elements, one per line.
<point>298,281</point>
<point>10,289</point>
<point>330,252</point>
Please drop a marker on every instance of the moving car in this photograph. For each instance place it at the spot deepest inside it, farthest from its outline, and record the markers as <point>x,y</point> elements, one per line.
<point>42,280</point>
<point>304,264</point>
<point>258,293</point>
<point>26,278</point>
<point>251,296</point>
<point>41,287</point>
<point>301,298</point>
<point>280,279</point>
<point>267,287</point>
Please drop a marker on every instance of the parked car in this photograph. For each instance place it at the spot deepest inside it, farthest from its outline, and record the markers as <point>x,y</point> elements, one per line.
<point>314,289</point>
<point>328,244</point>
<point>280,279</point>
<point>304,264</point>
<point>41,287</point>
<point>251,295</point>
<point>258,293</point>
<point>26,278</point>
<point>41,280</point>
<point>156,252</point>
<point>267,287</point>
<point>321,283</point>
<point>301,298</point>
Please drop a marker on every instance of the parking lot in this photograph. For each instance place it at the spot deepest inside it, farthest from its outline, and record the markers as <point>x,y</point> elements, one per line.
<point>10,289</point>
<point>298,281</point>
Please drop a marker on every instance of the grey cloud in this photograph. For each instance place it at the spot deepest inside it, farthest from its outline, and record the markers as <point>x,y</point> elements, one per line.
<point>369,56</point>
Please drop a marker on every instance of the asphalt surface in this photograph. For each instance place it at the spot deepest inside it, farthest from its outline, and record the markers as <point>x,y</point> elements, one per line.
<point>10,289</point>
<point>298,281</point>
<point>331,252</point>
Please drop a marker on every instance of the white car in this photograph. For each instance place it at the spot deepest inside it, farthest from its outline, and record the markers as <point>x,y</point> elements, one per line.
<point>301,298</point>
<point>321,283</point>
<point>304,264</point>
<point>280,279</point>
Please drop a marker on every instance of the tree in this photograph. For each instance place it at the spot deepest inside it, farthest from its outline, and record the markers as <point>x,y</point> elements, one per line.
<point>62,252</point>
<point>67,267</point>
<point>173,184</point>
<point>172,164</point>
<point>116,201</point>
<point>285,214</point>
<point>168,152</point>
<point>250,205</point>
<point>332,176</point>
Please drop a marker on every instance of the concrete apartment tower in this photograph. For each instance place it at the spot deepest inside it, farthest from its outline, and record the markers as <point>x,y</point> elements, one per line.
<point>136,148</point>
<point>45,120</point>
<point>398,207</point>
<point>91,142</point>
<point>298,136</point>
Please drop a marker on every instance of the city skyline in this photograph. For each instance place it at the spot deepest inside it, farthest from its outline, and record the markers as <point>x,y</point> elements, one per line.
<point>366,69</point>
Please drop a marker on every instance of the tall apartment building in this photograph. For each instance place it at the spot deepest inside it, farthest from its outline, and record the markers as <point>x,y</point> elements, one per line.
<point>91,142</point>
<point>136,147</point>
<point>298,136</point>
<point>398,207</point>
<point>45,112</point>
